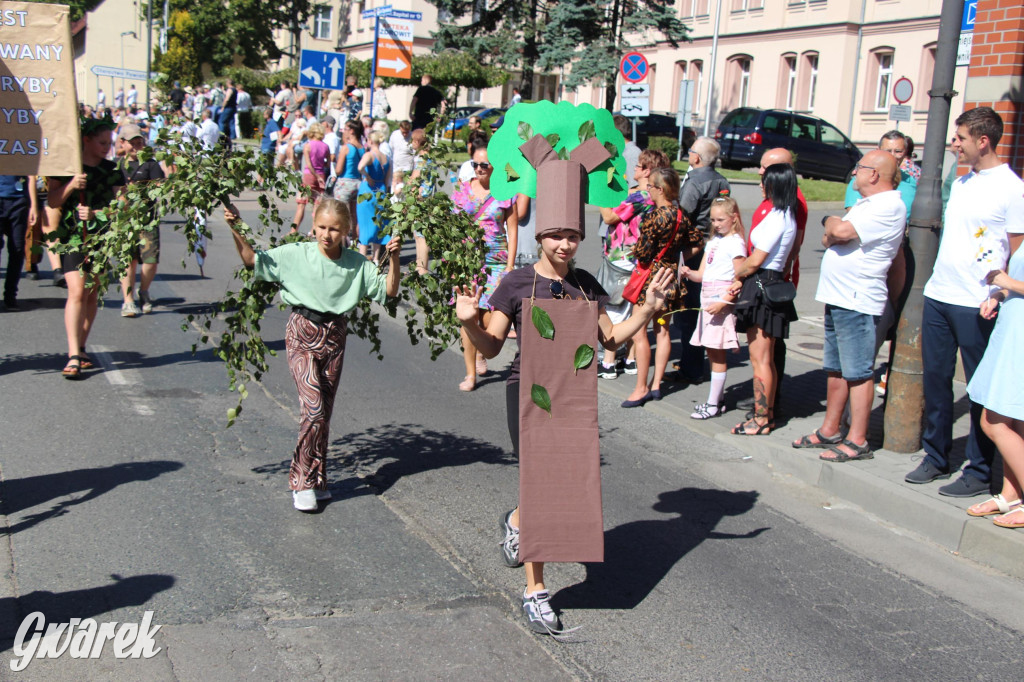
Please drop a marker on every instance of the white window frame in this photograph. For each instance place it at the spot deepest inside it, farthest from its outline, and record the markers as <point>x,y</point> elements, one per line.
<point>323,21</point>
<point>744,66</point>
<point>791,82</point>
<point>698,66</point>
<point>812,83</point>
<point>883,84</point>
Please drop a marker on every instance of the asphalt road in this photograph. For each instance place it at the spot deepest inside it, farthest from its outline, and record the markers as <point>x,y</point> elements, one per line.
<point>124,493</point>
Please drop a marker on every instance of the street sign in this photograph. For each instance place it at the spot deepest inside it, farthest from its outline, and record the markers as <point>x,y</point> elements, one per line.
<point>377,12</point>
<point>636,106</point>
<point>684,107</point>
<point>903,90</point>
<point>636,90</point>
<point>963,48</point>
<point>394,48</point>
<point>114,72</point>
<point>404,14</point>
<point>322,69</point>
<point>967,19</point>
<point>633,67</point>
<point>900,112</point>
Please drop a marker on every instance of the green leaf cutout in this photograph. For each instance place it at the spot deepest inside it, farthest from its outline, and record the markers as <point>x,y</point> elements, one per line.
<point>553,139</point>
<point>612,149</point>
<point>611,175</point>
<point>511,173</point>
<point>587,131</point>
<point>540,397</point>
<point>584,356</point>
<point>563,154</point>
<point>525,131</point>
<point>542,321</point>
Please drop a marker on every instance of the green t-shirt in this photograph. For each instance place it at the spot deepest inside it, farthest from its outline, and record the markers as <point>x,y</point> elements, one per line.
<point>312,280</point>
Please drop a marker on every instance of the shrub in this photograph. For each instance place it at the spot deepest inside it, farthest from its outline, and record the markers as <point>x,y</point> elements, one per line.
<point>668,145</point>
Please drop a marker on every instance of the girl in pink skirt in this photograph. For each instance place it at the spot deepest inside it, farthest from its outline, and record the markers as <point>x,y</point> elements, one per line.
<point>716,329</point>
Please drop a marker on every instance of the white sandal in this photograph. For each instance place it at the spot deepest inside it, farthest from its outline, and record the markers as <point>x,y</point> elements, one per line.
<point>1003,507</point>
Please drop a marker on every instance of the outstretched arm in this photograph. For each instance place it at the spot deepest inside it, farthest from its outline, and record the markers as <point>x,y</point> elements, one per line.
<point>245,250</point>
<point>488,341</point>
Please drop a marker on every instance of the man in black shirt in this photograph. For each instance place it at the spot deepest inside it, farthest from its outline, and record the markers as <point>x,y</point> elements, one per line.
<point>130,140</point>
<point>177,97</point>
<point>425,98</point>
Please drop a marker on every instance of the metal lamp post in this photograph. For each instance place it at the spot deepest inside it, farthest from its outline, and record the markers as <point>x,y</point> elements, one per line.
<point>123,34</point>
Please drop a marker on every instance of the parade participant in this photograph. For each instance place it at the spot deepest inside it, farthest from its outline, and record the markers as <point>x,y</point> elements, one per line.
<point>665,233</point>
<point>381,108</point>
<point>346,189</point>
<point>316,161</point>
<point>72,208</point>
<point>148,252</point>
<point>375,170</point>
<point>401,152</point>
<point>764,320</point>
<point>501,233</point>
<point>19,207</point>
<point>226,117</point>
<point>716,326</point>
<point>322,282</point>
<point>425,173</point>
<point>574,303</point>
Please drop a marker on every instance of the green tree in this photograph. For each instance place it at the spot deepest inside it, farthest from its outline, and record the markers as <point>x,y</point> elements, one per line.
<point>181,60</point>
<point>591,37</point>
<point>78,7</point>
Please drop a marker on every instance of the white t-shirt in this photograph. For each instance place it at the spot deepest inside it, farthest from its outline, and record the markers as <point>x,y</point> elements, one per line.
<point>402,150</point>
<point>280,101</point>
<point>853,274</point>
<point>466,171</point>
<point>720,252</point>
<point>133,96</point>
<point>333,143</point>
<point>209,134</point>
<point>992,199</point>
<point>775,235</point>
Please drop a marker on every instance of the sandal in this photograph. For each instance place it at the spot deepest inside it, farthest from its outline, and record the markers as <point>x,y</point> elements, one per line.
<point>73,370</point>
<point>859,452</point>
<point>468,384</point>
<point>1000,520</point>
<point>823,441</point>
<point>742,429</point>
<point>1002,506</point>
<point>703,411</point>
<point>84,361</point>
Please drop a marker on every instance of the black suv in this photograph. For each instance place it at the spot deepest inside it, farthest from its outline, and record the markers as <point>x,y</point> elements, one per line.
<point>821,151</point>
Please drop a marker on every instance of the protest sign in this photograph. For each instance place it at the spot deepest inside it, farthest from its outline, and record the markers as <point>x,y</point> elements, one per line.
<point>39,130</point>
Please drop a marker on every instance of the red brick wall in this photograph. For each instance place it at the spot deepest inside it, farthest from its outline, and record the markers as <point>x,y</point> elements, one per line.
<point>998,51</point>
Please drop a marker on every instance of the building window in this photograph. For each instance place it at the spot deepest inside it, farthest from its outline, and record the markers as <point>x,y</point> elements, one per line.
<point>924,82</point>
<point>883,61</point>
<point>697,76</point>
<point>787,85</point>
<point>737,82</point>
<point>739,5</point>
<point>744,81</point>
<point>686,9</point>
<point>322,21</point>
<point>812,79</point>
<point>472,96</point>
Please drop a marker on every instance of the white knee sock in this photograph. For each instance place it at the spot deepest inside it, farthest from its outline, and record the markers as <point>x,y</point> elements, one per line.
<point>717,389</point>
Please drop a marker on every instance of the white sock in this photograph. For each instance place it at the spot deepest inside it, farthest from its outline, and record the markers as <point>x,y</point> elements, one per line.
<point>717,389</point>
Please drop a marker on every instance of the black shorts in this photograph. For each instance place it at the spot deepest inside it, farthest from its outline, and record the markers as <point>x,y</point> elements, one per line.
<point>512,413</point>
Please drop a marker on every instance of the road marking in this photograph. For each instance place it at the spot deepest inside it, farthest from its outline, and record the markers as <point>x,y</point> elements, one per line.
<point>122,377</point>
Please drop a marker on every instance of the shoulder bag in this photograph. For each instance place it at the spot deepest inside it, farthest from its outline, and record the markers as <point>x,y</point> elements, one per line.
<point>642,271</point>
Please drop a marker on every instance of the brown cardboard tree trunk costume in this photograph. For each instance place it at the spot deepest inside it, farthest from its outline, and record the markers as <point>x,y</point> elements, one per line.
<point>560,515</point>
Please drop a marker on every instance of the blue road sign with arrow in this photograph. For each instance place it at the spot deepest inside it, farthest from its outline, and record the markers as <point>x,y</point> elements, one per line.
<point>322,69</point>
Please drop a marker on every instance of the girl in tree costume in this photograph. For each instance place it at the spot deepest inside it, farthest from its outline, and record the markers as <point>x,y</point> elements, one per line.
<point>559,313</point>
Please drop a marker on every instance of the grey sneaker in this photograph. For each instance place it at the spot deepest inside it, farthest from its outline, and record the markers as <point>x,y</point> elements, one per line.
<point>540,618</point>
<point>926,472</point>
<point>965,486</point>
<point>510,543</point>
<point>129,309</point>
<point>147,302</point>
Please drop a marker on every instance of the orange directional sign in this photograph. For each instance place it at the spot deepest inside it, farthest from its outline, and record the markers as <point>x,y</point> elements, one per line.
<point>394,48</point>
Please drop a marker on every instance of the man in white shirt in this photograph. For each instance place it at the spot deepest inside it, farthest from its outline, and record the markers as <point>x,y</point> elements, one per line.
<point>209,132</point>
<point>119,98</point>
<point>133,96</point>
<point>986,206</point>
<point>859,248</point>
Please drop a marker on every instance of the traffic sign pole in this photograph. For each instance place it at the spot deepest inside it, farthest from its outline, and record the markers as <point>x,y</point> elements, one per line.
<point>373,64</point>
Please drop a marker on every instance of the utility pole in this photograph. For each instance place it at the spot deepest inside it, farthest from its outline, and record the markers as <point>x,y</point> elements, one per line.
<point>905,407</point>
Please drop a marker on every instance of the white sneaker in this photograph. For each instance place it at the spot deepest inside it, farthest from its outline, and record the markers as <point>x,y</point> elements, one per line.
<point>147,302</point>
<point>304,500</point>
<point>540,618</point>
<point>323,494</point>
<point>129,309</point>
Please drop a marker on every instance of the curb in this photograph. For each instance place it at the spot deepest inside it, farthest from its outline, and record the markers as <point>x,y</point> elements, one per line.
<point>916,509</point>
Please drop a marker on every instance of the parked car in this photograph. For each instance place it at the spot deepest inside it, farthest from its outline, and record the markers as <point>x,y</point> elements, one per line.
<point>821,150</point>
<point>661,125</point>
<point>460,118</point>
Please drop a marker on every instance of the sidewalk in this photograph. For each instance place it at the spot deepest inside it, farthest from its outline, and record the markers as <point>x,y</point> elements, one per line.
<point>876,485</point>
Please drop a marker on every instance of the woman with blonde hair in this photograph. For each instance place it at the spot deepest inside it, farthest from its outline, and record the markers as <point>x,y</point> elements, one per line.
<point>375,168</point>
<point>316,165</point>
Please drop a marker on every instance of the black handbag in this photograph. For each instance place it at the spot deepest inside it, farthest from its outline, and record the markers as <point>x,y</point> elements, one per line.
<point>777,292</point>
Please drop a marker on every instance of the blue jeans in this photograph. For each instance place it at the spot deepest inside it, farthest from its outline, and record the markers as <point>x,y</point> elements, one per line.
<point>944,329</point>
<point>226,122</point>
<point>849,343</point>
<point>13,225</point>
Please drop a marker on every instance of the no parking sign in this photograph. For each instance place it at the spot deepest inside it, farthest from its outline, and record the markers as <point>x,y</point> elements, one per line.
<point>633,67</point>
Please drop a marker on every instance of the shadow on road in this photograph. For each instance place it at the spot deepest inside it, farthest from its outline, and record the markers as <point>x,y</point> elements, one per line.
<point>40,363</point>
<point>61,607</point>
<point>639,554</point>
<point>380,456</point>
<point>70,488</point>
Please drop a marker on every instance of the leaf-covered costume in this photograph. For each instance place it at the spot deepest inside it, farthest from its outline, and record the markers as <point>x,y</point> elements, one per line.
<point>102,183</point>
<point>655,230</point>
<point>491,219</point>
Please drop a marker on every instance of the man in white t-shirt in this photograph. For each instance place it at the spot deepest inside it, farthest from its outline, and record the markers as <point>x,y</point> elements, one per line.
<point>986,207</point>
<point>859,248</point>
<point>209,132</point>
